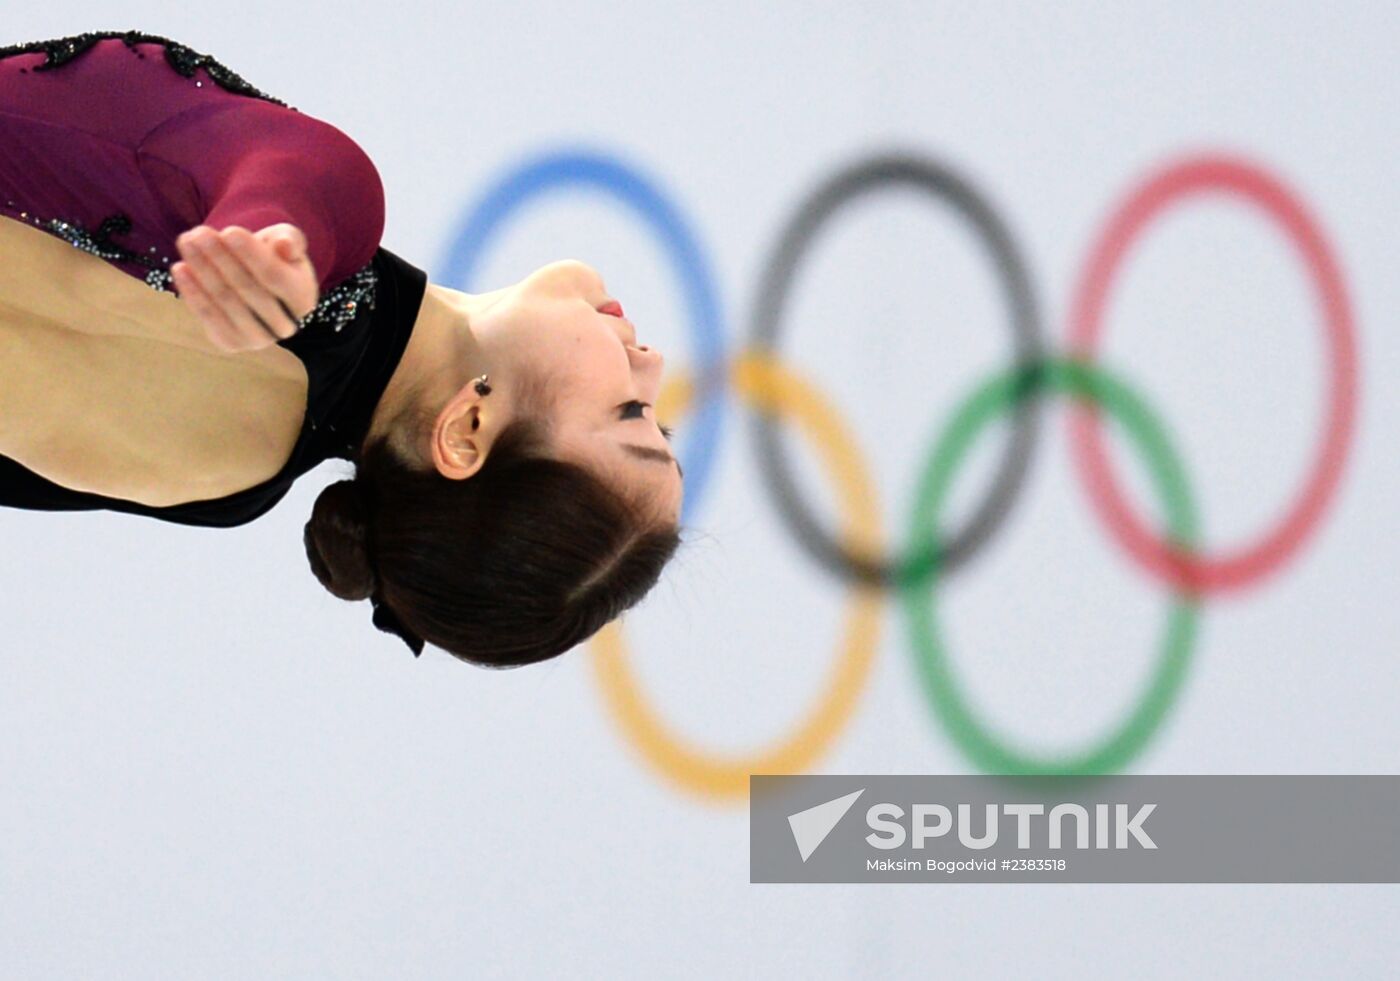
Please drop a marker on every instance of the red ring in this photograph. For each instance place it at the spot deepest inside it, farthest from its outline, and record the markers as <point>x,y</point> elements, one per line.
<point>1194,572</point>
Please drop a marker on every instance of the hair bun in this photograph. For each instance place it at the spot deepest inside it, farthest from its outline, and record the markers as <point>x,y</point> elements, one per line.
<point>335,540</point>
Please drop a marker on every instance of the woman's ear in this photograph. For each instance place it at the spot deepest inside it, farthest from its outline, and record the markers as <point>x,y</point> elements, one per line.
<point>457,456</point>
<point>459,442</point>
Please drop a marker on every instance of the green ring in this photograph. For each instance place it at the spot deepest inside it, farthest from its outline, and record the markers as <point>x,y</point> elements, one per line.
<point>985,749</point>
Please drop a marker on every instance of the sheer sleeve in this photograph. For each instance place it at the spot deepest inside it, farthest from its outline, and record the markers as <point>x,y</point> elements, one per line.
<point>254,164</point>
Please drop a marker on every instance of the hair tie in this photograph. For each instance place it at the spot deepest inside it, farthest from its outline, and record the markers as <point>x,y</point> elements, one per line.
<point>386,620</point>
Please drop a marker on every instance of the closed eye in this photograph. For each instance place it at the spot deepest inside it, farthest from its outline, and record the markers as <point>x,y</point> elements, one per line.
<point>635,410</point>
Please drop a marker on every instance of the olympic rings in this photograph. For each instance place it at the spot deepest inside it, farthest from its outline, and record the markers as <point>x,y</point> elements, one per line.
<point>856,555</point>
<point>773,286</point>
<point>985,749</point>
<point>770,387</point>
<point>1253,562</point>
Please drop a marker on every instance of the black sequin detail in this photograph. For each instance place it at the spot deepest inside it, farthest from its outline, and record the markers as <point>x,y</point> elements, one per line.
<point>102,246</point>
<point>182,58</point>
<point>340,304</point>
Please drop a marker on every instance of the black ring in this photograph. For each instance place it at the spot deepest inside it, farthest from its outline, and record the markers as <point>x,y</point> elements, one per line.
<point>263,324</point>
<point>290,316</point>
<point>941,182</point>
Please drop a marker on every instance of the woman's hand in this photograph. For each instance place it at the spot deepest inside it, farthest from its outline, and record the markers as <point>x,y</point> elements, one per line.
<point>248,289</point>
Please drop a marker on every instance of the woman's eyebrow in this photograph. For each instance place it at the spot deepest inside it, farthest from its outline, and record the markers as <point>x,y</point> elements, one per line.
<point>650,453</point>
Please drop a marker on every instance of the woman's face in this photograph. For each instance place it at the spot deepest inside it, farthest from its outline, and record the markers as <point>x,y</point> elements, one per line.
<point>602,383</point>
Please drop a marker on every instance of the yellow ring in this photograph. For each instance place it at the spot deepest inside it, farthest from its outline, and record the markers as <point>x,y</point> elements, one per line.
<point>766,386</point>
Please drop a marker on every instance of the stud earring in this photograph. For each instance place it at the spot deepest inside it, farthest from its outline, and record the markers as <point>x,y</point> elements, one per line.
<point>481,387</point>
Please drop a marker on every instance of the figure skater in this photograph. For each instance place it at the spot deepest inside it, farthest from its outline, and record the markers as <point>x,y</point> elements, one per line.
<point>512,491</point>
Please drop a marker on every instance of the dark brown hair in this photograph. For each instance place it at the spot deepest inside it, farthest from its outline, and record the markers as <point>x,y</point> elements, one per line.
<point>518,563</point>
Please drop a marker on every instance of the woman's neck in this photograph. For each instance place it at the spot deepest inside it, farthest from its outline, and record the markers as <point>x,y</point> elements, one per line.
<point>442,355</point>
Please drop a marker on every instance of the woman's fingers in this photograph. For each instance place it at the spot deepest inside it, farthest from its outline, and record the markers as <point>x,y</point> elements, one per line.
<point>222,331</point>
<point>289,280</point>
<point>290,274</point>
<point>244,289</point>
<point>227,279</point>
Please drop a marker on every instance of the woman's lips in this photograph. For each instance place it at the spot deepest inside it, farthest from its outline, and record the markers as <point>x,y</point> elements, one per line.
<point>612,308</point>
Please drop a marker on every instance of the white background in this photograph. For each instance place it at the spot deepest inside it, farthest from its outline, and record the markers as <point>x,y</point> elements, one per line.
<point>212,768</point>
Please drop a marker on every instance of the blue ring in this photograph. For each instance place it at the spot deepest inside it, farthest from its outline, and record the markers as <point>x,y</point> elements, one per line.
<point>564,168</point>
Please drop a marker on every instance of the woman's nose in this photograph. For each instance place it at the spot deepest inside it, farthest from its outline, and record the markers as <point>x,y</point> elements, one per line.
<point>651,355</point>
